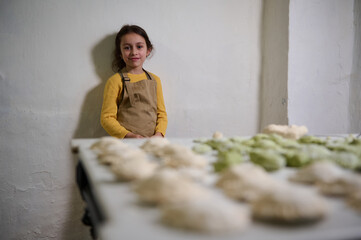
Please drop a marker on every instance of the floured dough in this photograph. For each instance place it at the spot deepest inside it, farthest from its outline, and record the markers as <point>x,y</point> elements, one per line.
<point>105,144</point>
<point>133,169</point>
<point>211,215</point>
<point>319,171</point>
<point>117,155</point>
<point>154,145</point>
<point>217,135</point>
<point>176,156</point>
<point>292,205</point>
<point>246,182</point>
<point>168,186</point>
<point>343,185</point>
<point>291,132</point>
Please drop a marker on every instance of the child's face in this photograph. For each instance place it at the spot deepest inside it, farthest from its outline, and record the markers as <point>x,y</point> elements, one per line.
<point>134,51</point>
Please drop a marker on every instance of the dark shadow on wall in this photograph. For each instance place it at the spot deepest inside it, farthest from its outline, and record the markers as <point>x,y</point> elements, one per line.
<point>89,120</point>
<point>89,127</point>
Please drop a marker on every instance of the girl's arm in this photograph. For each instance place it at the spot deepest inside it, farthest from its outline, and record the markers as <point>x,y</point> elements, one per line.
<point>162,120</point>
<point>108,116</point>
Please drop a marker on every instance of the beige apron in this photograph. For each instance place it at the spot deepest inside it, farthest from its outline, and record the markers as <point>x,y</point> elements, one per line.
<point>137,110</point>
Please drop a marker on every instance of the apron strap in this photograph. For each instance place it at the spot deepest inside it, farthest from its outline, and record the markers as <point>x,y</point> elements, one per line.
<point>149,76</point>
<point>125,80</point>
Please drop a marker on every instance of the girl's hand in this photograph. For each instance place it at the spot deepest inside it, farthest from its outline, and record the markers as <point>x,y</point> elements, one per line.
<point>133,135</point>
<point>158,134</point>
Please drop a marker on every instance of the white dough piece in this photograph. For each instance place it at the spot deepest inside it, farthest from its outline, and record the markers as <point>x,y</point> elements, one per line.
<point>217,135</point>
<point>133,169</point>
<point>113,156</point>
<point>154,145</point>
<point>105,143</point>
<point>168,186</point>
<point>292,205</point>
<point>177,156</point>
<point>344,185</point>
<point>246,182</point>
<point>291,132</point>
<point>210,215</point>
<point>318,172</point>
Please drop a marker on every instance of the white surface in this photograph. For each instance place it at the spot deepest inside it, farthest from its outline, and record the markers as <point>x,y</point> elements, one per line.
<point>128,219</point>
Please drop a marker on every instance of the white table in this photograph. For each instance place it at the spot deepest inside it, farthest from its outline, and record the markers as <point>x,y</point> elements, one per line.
<point>126,218</point>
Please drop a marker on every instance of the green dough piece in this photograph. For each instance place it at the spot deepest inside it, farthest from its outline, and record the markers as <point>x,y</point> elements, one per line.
<point>307,139</point>
<point>227,159</point>
<point>202,148</point>
<point>269,159</point>
<point>306,154</point>
<point>346,159</point>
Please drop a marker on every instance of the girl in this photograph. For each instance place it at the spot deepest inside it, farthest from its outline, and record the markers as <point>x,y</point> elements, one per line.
<point>133,104</point>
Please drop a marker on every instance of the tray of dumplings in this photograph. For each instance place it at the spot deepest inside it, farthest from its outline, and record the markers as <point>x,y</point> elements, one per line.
<point>279,184</point>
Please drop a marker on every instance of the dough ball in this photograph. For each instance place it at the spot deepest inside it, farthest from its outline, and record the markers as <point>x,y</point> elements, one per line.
<point>209,215</point>
<point>105,144</point>
<point>217,135</point>
<point>246,182</point>
<point>168,186</point>
<point>113,156</point>
<point>290,205</point>
<point>201,148</point>
<point>177,156</point>
<point>291,132</point>
<point>133,169</point>
<point>319,171</point>
<point>154,145</point>
<point>341,186</point>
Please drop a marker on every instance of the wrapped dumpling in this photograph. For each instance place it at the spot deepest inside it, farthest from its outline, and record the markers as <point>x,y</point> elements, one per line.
<point>319,171</point>
<point>290,205</point>
<point>168,186</point>
<point>211,215</point>
<point>154,145</point>
<point>105,144</point>
<point>269,159</point>
<point>113,156</point>
<point>133,169</point>
<point>245,182</point>
<point>177,156</point>
<point>343,185</point>
<point>291,132</point>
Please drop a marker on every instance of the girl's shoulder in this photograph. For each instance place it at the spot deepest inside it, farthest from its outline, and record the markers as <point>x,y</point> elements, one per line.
<point>155,76</point>
<point>115,77</point>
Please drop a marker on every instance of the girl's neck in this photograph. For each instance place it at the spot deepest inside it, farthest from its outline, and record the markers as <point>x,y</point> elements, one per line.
<point>134,70</point>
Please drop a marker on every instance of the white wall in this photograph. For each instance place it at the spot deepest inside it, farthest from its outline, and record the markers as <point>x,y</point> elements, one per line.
<point>54,61</point>
<point>321,35</point>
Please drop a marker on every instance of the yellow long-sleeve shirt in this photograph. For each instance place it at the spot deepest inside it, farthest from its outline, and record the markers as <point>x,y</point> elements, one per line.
<point>111,98</point>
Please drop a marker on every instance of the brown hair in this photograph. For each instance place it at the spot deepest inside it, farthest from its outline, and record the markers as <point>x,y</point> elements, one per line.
<point>118,63</point>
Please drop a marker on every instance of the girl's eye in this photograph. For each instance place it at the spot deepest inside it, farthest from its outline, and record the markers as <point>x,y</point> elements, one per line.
<point>126,48</point>
<point>140,47</point>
